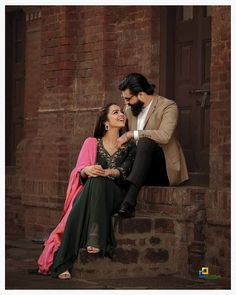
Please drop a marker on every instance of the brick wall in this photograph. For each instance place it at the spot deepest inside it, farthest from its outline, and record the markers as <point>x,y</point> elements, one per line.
<point>218,202</point>
<point>131,44</point>
<point>71,54</point>
<point>218,232</point>
<point>220,99</point>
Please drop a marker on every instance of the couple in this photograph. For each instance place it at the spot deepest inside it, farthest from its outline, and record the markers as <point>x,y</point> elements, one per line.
<point>111,168</point>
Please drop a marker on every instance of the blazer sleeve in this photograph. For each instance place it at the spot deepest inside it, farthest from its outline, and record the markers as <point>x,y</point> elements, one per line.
<point>164,133</point>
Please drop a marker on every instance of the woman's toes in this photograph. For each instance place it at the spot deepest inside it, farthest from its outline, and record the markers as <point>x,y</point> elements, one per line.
<point>65,275</point>
<point>91,249</point>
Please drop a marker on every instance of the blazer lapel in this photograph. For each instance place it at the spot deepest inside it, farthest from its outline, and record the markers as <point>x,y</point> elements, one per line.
<point>151,110</point>
<point>134,123</point>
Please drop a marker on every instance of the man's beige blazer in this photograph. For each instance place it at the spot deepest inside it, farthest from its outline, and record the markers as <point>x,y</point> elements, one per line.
<point>160,126</point>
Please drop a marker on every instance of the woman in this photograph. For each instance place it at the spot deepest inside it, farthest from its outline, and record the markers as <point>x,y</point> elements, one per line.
<point>95,191</point>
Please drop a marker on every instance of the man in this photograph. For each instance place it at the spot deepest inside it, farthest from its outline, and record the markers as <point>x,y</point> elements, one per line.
<point>152,121</point>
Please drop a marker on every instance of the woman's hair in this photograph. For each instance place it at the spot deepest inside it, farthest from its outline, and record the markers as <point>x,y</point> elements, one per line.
<point>136,83</point>
<point>99,130</point>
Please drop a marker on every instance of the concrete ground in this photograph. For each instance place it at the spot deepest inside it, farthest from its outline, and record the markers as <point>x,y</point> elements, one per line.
<point>22,255</point>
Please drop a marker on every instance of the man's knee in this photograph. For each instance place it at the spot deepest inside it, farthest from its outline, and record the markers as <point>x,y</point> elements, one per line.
<point>146,143</point>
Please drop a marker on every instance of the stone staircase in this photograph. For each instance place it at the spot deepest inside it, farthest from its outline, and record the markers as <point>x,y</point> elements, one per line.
<point>176,231</point>
<point>167,236</point>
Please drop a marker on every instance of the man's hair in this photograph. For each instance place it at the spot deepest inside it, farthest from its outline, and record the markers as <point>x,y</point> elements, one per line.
<point>136,83</point>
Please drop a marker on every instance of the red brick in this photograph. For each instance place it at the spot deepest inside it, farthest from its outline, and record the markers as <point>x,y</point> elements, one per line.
<point>127,242</point>
<point>125,256</point>
<point>156,256</point>
<point>164,225</point>
<point>135,225</point>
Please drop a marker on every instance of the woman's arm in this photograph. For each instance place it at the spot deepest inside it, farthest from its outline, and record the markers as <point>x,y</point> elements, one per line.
<point>126,166</point>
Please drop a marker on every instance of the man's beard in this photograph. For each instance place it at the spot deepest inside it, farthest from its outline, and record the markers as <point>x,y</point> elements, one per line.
<point>136,108</point>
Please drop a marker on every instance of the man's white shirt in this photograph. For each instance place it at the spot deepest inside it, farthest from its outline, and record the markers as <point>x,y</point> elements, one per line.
<point>141,120</point>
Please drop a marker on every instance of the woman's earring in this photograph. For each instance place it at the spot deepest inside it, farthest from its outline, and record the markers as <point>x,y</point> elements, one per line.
<point>106,127</point>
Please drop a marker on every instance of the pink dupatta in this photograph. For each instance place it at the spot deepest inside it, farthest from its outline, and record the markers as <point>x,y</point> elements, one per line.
<point>87,157</point>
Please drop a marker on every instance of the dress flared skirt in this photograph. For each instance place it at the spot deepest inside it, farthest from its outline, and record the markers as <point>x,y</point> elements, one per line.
<point>89,222</point>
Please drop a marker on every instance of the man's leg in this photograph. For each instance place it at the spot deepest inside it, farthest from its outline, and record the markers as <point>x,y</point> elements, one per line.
<point>149,168</point>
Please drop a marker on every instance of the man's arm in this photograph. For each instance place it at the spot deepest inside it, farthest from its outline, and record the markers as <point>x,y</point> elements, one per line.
<point>167,127</point>
<point>161,135</point>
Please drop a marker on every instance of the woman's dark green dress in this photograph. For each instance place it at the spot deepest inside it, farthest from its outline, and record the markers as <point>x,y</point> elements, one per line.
<point>89,222</point>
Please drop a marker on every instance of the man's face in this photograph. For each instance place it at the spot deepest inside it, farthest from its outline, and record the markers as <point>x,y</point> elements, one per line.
<point>133,101</point>
<point>129,98</point>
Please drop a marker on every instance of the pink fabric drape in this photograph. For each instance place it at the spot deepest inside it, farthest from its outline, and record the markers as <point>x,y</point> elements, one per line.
<point>87,157</point>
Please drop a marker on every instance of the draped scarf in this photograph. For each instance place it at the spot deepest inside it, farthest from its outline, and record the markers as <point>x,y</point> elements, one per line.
<point>87,157</point>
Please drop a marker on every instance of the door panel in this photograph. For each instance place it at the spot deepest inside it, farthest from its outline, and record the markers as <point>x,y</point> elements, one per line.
<point>192,77</point>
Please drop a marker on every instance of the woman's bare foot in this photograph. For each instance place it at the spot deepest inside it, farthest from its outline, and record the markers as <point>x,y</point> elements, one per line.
<point>64,275</point>
<point>93,250</point>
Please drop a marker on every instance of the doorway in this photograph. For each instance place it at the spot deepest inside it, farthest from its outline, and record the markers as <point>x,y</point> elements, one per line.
<point>185,77</point>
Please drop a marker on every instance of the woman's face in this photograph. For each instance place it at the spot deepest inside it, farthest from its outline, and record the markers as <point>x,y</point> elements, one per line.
<point>116,117</point>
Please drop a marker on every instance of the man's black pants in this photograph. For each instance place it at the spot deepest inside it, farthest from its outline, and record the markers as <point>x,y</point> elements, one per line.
<point>149,168</point>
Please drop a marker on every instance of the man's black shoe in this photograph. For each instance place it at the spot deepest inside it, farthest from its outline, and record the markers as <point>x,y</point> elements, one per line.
<point>126,210</point>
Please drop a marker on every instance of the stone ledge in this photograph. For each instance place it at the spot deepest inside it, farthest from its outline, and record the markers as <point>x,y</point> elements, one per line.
<point>178,200</point>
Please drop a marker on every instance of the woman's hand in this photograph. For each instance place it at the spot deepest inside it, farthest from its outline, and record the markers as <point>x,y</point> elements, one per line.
<point>111,172</point>
<point>93,171</point>
<point>97,170</point>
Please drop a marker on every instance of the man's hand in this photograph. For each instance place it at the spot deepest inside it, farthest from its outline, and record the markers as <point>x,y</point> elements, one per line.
<point>123,139</point>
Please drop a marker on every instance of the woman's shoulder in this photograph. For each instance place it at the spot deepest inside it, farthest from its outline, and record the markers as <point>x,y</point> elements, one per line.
<point>90,140</point>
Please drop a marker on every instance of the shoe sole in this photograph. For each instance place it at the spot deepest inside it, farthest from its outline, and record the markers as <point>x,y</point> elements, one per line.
<point>125,215</point>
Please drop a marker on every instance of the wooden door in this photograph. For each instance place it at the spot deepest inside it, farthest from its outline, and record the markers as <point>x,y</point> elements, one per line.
<point>15,80</point>
<point>192,79</point>
<point>186,53</point>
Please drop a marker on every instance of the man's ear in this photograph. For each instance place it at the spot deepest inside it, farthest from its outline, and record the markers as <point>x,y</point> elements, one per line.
<point>141,96</point>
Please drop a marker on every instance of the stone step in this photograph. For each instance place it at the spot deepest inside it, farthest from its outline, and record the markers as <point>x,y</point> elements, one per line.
<point>169,200</point>
<point>145,246</point>
<point>159,239</point>
<point>167,236</point>
<point>22,249</point>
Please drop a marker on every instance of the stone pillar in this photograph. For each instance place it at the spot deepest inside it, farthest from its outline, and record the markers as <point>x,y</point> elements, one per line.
<point>15,210</point>
<point>218,198</point>
<point>220,99</point>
